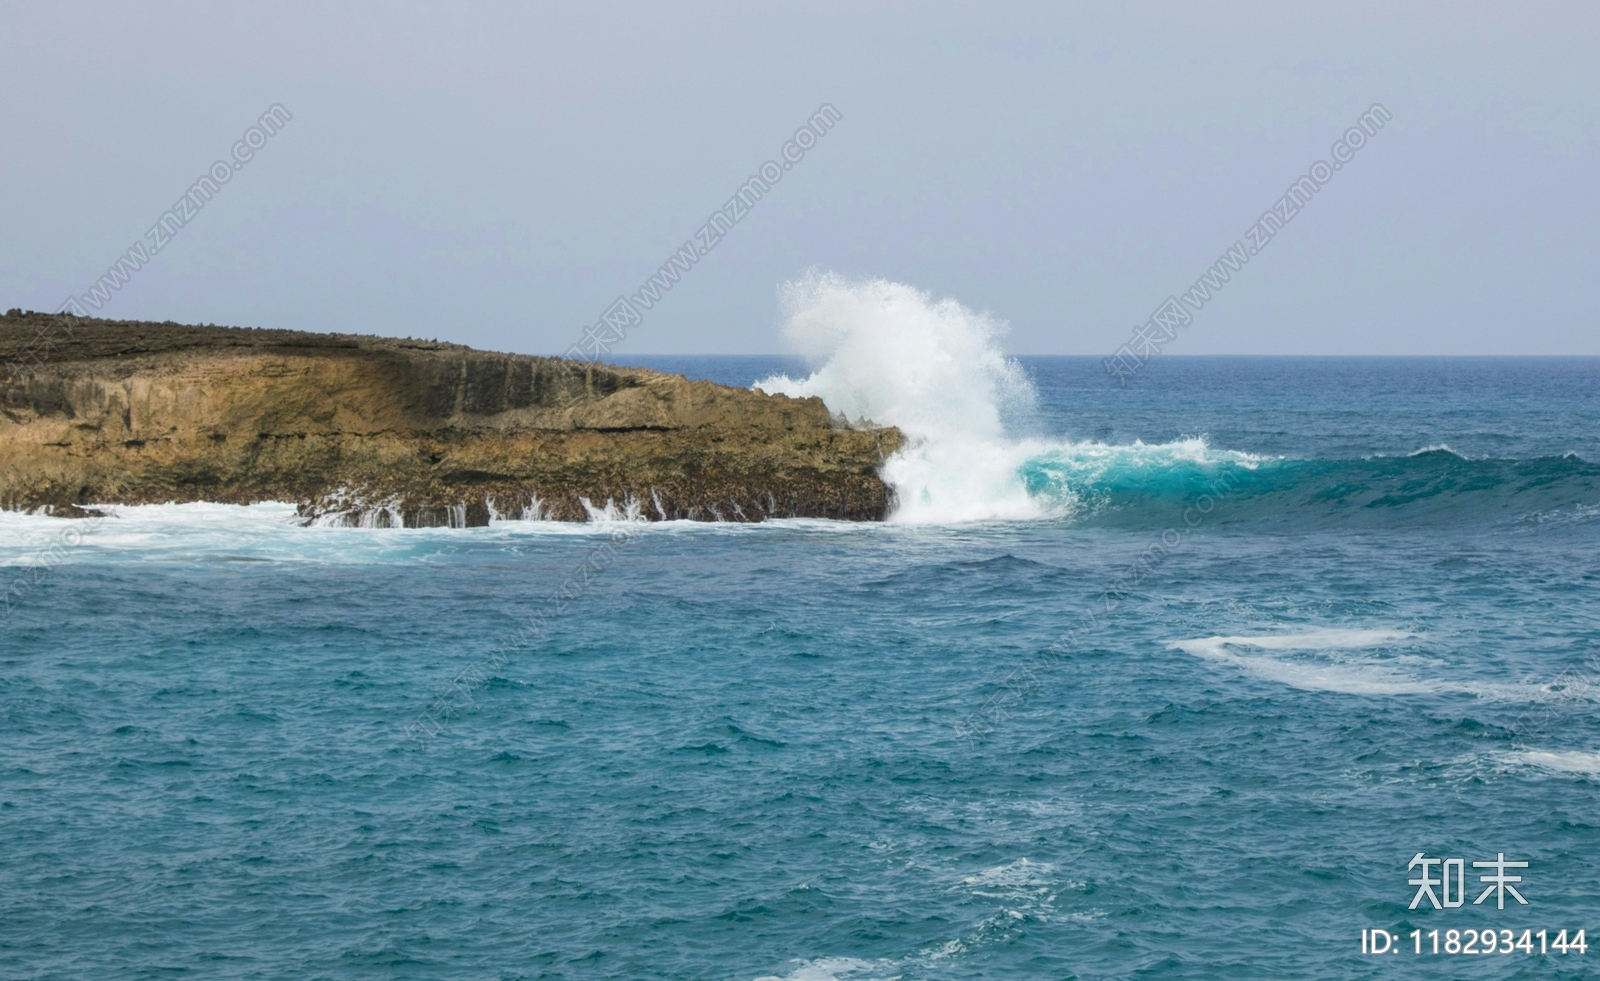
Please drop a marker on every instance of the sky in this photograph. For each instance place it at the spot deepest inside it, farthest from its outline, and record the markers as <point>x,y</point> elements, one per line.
<point>498,174</point>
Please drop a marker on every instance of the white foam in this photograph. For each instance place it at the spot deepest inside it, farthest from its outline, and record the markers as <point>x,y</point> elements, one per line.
<point>1564,514</point>
<point>1325,639</point>
<point>1024,888</point>
<point>1348,675</point>
<point>1021,873</point>
<point>1436,448</point>
<point>1562,761</point>
<point>630,511</point>
<point>1340,660</point>
<point>892,355</point>
<point>834,969</point>
<point>275,532</point>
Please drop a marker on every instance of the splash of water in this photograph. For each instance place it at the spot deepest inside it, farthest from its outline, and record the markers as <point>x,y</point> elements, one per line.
<point>893,355</point>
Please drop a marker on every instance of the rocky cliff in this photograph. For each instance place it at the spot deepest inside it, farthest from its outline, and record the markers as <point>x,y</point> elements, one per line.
<point>388,432</point>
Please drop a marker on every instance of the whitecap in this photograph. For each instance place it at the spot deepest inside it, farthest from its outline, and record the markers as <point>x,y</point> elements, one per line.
<point>895,356</point>
<point>892,355</point>
<point>834,969</point>
<point>1562,761</point>
<point>1347,675</point>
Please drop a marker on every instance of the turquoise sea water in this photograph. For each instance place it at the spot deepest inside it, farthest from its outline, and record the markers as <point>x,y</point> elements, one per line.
<point>814,750</point>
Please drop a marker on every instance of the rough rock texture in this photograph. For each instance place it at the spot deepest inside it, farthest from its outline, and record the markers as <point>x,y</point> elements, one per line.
<point>383,431</point>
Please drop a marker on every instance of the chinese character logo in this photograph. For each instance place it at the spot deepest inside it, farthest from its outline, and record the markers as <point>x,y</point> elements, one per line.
<point>1452,881</point>
<point>1500,883</point>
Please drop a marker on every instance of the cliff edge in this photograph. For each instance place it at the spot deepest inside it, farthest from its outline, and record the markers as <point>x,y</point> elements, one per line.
<point>388,432</point>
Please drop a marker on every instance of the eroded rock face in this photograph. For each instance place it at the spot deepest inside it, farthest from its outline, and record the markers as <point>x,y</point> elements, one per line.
<point>384,431</point>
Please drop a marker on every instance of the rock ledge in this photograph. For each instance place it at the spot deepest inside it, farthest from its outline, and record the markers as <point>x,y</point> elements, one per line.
<point>388,432</point>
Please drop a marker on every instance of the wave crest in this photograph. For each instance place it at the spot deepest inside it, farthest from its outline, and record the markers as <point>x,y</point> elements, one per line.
<point>892,354</point>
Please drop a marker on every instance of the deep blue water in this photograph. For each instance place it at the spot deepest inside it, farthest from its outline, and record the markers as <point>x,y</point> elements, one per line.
<point>814,750</point>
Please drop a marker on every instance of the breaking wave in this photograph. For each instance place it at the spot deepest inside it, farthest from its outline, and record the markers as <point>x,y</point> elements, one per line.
<point>890,354</point>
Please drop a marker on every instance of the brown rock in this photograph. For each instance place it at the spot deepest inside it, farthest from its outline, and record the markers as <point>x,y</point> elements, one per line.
<point>385,431</point>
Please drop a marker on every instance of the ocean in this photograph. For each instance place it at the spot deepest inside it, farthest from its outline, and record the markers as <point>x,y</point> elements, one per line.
<point>1166,681</point>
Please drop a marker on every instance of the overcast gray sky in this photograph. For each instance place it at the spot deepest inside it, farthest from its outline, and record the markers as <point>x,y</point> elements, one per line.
<point>496,174</point>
